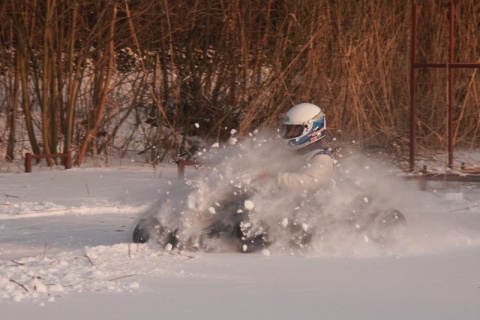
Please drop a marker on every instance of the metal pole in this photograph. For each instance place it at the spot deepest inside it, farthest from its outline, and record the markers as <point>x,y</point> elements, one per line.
<point>28,162</point>
<point>68,160</point>
<point>413,84</point>
<point>451,96</point>
<point>450,86</point>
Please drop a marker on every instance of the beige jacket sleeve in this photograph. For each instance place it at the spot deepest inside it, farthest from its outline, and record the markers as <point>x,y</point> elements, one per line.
<point>318,172</point>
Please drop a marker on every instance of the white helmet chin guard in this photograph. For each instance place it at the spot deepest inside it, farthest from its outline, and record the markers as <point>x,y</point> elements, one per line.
<point>303,125</point>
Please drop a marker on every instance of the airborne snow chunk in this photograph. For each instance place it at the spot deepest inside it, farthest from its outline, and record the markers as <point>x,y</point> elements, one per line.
<point>249,205</point>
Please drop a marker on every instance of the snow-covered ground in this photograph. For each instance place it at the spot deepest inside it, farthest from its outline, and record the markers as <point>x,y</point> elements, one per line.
<point>66,252</point>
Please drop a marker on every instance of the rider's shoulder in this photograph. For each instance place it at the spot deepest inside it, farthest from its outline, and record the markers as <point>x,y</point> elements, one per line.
<point>319,152</point>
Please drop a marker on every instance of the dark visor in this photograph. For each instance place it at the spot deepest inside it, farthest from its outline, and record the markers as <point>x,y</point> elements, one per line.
<point>293,131</point>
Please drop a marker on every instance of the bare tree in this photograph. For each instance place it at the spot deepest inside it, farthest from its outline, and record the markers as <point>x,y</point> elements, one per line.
<point>104,68</point>
<point>83,69</point>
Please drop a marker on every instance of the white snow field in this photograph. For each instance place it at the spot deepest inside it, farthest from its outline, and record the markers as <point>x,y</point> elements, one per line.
<point>66,252</point>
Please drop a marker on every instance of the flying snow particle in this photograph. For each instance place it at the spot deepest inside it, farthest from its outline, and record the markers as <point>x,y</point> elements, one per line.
<point>266,253</point>
<point>232,141</point>
<point>197,125</point>
<point>168,247</point>
<point>245,225</point>
<point>284,222</point>
<point>233,131</point>
<point>215,145</point>
<point>212,210</point>
<point>245,248</point>
<point>365,199</point>
<point>248,204</point>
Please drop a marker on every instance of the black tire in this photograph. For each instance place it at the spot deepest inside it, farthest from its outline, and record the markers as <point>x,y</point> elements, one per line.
<point>251,238</point>
<point>141,234</point>
<point>151,229</point>
<point>215,237</point>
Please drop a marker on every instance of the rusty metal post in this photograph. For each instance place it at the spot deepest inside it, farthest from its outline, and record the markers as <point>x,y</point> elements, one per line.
<point>68,160</point>
<point>413,84</point>
<point>180,169</point>
<point>28,162</point>
<point>450,65</point>
<point>181,166</point>
<point>451,100</point>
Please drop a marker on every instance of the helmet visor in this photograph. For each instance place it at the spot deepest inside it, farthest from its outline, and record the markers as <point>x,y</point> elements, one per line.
<point>293,131</point>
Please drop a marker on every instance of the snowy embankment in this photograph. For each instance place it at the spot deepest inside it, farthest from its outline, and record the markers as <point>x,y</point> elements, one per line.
<point>65,244</point>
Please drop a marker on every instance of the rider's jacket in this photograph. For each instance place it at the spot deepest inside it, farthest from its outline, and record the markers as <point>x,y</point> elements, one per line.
<point>317,171</point>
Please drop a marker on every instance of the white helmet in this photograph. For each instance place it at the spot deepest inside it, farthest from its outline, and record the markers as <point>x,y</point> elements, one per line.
<point>303,125</point>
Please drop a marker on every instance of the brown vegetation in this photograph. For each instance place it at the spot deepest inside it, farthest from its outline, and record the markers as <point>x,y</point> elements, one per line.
<point>88,67</point>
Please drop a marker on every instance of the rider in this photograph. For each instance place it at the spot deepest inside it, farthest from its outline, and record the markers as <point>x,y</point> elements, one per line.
<point>304,128</point>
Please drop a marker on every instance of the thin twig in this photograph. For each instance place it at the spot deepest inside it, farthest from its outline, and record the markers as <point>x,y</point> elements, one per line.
<point>180,253</point>
<point>122,277</point>
<point>89,260</point>
<point>18,263</point>
<point>18,283</point>
<point>86,186</point>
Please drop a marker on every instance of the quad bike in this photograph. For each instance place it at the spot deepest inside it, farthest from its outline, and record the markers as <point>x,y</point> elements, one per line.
<point>238,231</point>
<point>231,229</point>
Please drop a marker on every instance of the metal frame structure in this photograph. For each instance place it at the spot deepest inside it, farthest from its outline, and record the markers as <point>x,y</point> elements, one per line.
<point>451,65</point>
<point>67,158</point>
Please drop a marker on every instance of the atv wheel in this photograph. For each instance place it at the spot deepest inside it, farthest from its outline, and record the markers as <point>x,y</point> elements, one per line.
<point>214,237</point>
<point>250,237</point>
<point>141,233</point>
<point>152,229</point>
